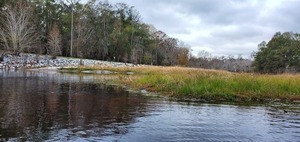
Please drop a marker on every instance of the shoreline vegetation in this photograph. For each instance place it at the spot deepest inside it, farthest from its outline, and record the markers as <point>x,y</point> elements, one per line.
<point>202,84</point>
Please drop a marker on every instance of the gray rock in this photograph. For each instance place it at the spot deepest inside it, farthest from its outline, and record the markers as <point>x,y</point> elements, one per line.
<point>33,60</point>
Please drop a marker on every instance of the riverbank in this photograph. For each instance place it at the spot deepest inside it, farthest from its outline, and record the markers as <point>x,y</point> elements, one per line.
<point>35,61</point>
<point>205,85</point>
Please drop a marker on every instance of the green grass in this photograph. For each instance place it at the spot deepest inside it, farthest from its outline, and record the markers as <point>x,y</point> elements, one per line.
<point>190,83</point>
<point>241,86</point>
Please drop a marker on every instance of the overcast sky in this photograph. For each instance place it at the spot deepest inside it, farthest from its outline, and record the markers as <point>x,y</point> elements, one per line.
<point>221,27</point>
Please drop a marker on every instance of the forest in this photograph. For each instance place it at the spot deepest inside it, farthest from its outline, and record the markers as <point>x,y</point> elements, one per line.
<point>94,30</point>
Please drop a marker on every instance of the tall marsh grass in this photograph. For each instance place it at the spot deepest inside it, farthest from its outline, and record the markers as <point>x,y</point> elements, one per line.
<point>209,84</point>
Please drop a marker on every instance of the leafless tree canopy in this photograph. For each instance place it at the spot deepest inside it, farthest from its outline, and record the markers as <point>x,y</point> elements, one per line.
<point>54,41</point>
<point>17,31</point>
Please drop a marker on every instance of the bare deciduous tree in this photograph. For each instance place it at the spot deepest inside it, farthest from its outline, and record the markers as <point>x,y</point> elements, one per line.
<point>54,41</point>
<point>17,31</point>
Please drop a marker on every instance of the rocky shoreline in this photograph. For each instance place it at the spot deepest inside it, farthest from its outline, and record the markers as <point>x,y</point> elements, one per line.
<point>34,61</point>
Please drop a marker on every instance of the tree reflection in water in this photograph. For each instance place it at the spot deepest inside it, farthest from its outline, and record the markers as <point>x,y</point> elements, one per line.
<point>38,107</point>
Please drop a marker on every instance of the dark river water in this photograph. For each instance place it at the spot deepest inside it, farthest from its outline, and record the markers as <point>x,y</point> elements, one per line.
<point>39,106</point>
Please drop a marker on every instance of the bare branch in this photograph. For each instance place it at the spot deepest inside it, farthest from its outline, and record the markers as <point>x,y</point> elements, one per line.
<point>54,41</point>
<point>17,32</point>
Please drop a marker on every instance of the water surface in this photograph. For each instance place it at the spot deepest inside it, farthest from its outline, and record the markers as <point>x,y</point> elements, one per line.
<point>40,106</point>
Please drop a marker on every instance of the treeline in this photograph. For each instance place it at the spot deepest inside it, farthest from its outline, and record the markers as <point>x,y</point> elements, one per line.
<point>95,30</point>
<point>279,55</point>
<point>230,63</point>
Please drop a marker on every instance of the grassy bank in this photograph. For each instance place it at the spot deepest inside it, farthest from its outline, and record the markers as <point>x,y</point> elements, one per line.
<point>190,83</point>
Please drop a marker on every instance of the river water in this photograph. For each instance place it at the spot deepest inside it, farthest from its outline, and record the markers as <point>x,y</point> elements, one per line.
<point>40,106</point>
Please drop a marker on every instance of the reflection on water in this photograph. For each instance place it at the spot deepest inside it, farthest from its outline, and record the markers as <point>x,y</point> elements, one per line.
<point>37,106</point>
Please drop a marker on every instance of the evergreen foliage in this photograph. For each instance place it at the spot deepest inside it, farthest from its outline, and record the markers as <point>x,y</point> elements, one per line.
<point>280,55</point>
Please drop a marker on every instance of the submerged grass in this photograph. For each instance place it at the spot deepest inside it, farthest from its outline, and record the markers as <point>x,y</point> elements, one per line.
<point>191,83</point>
